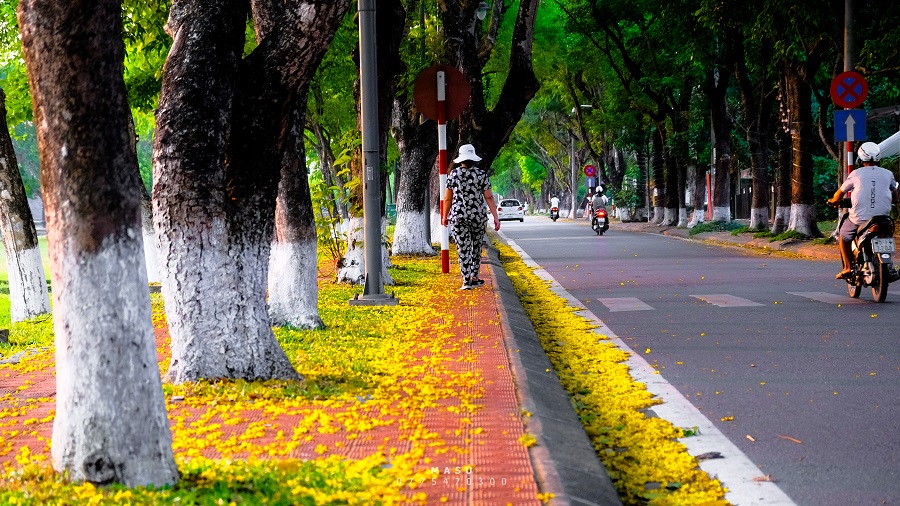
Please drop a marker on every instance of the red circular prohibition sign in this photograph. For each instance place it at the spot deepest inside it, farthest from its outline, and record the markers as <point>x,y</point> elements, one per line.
<point>849,89</point>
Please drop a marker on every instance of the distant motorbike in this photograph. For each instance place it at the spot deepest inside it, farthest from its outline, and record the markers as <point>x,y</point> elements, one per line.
<point>554,213</point>
<point>872,264</point>
<point>600,222</point>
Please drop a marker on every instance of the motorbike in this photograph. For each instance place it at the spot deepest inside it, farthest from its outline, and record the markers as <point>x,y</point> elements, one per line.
<point>554,213</point>
<point>872,263</point>
<point>600,223</point>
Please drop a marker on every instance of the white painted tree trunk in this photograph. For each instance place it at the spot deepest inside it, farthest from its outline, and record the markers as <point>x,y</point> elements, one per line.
<point>354,268</point>
<point>211,289</point>
<point>682,217</point>
<point>409,235</point>
<point>671,217</point>
<point>28,296</point>
<point>782,217</point>
<point>659,215</point>
<point>111,421</point>
<point>697,218</point>
<point>293,290</point>
<point>803,218</point>
<point>722,214</point>
<point>150,259</point>
<point>759,218</point>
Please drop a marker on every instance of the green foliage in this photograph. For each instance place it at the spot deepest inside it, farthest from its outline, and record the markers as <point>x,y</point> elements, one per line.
<point>715,226</point>
<point>825,182</point>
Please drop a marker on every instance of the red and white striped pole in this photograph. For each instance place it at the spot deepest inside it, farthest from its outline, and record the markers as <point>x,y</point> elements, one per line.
<point>442,166</point>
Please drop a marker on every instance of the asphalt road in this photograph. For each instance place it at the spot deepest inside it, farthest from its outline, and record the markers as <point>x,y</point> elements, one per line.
<point>803,379</point>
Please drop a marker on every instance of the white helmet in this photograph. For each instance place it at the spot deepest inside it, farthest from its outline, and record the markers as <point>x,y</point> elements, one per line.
<point>869,152</point>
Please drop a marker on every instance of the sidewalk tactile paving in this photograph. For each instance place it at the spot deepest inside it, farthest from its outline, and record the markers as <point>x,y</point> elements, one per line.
<point>482,462</point>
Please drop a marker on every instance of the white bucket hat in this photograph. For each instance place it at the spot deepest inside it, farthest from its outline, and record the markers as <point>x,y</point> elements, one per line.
<point>467,152</point>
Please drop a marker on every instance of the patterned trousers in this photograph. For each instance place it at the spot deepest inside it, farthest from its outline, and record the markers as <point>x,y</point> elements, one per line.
<point>469,238</point>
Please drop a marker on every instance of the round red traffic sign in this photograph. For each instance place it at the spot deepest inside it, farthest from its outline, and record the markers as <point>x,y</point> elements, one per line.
<point>849,89</point>
<point>457,92</point>
<point>589,171</point>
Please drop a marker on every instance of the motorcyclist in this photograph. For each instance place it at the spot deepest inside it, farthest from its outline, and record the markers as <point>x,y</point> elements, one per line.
<point>554,202</point>
<point>872,190</point>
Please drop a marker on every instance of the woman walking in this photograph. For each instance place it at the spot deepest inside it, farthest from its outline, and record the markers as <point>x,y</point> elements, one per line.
<point>468,189</point>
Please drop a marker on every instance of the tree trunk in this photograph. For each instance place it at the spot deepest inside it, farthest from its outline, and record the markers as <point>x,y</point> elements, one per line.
<point>28,296</point>
<point>671,197</point>
<point>659,181</point>
<point>799,101</point>
<point>218,153</point>
<point>722,143</point>
<point>418,148</point>
<point>487,129</point>
<point>782,182</point>
<point>111,423</point>
<point>293,262</point>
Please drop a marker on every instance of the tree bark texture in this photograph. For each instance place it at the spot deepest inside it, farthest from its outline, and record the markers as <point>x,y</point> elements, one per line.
<point>221,132</point>
<point>418,146</point>
<point>800,116</point>
<point>487,129</point>
<point>721,125</point>
<point>782,181</point>
<point>293,263</point>
<point>658,172</point>
<point>28,296</point>
<point>111,423</point>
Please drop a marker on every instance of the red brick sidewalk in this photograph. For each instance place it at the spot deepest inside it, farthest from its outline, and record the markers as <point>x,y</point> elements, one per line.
<point>476,458</point>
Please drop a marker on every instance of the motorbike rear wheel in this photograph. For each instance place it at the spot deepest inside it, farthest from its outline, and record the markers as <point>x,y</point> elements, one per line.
<point>879,283</point>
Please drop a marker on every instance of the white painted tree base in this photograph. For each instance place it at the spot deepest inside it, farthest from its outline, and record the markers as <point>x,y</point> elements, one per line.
<point>659,215</point>
<point>150,256</point>
<point>697,218</point>
<point>782,218</point>
<point>722,214</point>
<point>803,219</point>
<point>409,235</point>
<point>759,218</point>
<point>28,295</point>
<point>682,217</point>
<point>354,268</point>
<point>111,422</point>
<point>293,285</point>
<point>670,217</point>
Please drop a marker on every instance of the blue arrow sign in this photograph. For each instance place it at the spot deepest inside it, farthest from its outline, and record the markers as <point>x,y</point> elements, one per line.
<point>850,125</point>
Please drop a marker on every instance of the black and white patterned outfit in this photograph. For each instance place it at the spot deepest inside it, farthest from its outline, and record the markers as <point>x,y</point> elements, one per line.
<point>468,216</point>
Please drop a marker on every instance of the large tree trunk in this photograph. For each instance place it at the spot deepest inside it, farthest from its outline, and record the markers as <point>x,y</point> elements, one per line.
<point>221,129</point>
<point>757,102</point>
<point>111,423</point>
<point>722,144</point>
<point>293,262</point>
<point>418,148</point>
<point>799,101</point>
<point>782,182</point>
<point>671,197</point>
<point>28,296</point>
<point>217,328</point>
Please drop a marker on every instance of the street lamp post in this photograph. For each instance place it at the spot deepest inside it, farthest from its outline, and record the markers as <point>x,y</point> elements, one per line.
<point>373,292</point>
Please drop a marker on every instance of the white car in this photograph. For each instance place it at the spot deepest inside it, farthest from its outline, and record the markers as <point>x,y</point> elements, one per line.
<point>511,209</point>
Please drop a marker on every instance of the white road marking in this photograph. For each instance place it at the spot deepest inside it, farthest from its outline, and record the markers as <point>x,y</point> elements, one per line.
<point>725,300</point>
<point>830,298</point>
<point>735,471</point>
<point>625,304</point>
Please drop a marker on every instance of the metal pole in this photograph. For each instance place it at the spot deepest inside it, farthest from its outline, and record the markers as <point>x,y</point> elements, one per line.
<point>848,66</point>
<point>373,293</point>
